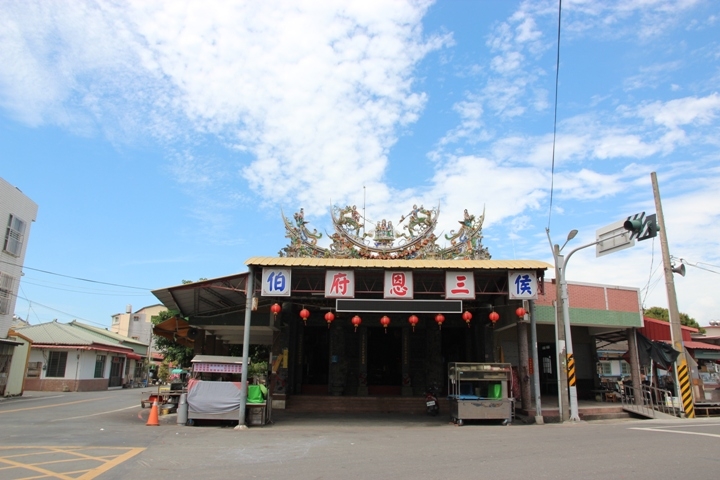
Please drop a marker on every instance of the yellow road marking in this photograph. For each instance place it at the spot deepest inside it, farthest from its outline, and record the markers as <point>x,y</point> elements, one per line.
<point>47,473</point>
<point>106,461</point>
<point>111,464</point>
<point>54,405</point>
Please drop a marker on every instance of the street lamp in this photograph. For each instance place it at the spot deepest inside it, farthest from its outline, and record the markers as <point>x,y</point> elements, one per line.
<point>560,265</point>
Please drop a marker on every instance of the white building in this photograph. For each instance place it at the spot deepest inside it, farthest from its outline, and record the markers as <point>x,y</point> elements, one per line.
<point>17,212</point>
<point>137,325</point>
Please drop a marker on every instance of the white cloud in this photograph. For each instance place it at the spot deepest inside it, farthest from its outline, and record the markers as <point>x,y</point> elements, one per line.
<point>682,111</point>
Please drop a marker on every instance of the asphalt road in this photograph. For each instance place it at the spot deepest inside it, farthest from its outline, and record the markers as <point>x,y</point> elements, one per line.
<point>104,435</point>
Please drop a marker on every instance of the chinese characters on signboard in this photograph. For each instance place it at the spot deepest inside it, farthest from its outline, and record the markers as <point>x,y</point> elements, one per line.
<point>398,284</point>
<point>276,282</point>
<point>217,367</point>
<point>459,285</point>
<point>339,284</point>
<point>522,286</point>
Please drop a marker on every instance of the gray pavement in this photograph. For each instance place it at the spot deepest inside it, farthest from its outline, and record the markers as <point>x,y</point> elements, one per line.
<point>331,446</point>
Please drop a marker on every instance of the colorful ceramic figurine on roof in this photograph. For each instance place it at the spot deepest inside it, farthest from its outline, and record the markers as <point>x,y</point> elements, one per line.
<point>417,240</point>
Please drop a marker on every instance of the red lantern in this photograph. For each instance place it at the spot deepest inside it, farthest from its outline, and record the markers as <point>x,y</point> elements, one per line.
<point>520,312</point>
<point>304,314</point>
<point>275,309</point>
<point>494,317</point>
<point>329,317</point>
<point>385,321</point>
<point>467,316</point>
<point>413,319</point>
<point>356,321</point>
<point>439,319</point>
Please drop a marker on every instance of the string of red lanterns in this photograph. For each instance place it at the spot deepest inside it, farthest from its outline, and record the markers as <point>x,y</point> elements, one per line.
<point>467,316</point>
<point>356,321</point>
<point>520,312</point>
<point>413,320</point>
<point>304,314</point>
<point>275,309</point>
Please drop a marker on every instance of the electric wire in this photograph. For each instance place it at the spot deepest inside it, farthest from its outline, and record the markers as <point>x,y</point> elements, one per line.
<point>60,311</point>
<point>85,292</point>
<point>652,261</point>
<point>557,81</point>
<point>76,278</point>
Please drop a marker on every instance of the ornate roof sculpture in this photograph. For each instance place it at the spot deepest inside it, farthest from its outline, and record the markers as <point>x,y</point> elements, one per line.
<point>413,237</point>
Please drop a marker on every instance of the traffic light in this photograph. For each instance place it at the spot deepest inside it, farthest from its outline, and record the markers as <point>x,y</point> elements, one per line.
<point>641,227</point>
<point>634,225</point>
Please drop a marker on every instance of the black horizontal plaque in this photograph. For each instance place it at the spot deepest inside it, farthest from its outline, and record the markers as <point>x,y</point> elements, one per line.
<point>398,306</point>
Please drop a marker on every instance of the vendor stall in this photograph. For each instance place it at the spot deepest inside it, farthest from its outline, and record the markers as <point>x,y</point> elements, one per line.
<point>480,391</point>
<point>214,391</point>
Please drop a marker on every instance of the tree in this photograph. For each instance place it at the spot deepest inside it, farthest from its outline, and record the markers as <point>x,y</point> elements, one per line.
<point>663,314</point>
<point>173,351</point>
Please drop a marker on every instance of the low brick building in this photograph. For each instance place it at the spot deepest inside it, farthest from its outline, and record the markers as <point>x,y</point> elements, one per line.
<point>74,357</point>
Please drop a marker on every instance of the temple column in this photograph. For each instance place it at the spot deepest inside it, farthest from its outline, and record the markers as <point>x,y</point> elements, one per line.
<point>362,371</point>
<point>406,389</point>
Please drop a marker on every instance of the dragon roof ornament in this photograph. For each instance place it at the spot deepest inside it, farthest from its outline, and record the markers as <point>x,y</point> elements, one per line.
<point>413,237</point>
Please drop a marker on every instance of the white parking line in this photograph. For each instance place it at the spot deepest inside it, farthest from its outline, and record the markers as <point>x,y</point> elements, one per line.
<point>678,431</point>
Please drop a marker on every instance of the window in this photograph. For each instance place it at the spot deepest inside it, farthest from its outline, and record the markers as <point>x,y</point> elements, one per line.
<point>606,368</point>
<point>100,366</point>
<point>14,236</point>
<point>624,367</point>
<point>136,318</point>
<point>547,365</point>
<point>6,292</point>
<point>56,364</point>
<point>116,320</point>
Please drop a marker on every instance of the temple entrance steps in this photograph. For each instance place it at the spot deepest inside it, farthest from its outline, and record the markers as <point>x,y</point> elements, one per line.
<point>369,404</point>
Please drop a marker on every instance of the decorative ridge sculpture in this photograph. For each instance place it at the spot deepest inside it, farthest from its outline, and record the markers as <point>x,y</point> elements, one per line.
<point>413,237</point>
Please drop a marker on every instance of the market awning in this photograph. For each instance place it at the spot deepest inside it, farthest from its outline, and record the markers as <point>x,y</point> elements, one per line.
<point>702,350</point>
<point>174,329</point>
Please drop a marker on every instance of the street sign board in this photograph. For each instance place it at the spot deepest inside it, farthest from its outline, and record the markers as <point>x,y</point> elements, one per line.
<point>612,238</point>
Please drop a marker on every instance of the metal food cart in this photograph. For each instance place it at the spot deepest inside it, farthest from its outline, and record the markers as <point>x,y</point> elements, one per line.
<point>214,391</point>
<point>480,391</point>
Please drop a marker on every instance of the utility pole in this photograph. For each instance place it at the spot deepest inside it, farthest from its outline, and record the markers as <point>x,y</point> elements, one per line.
<point>563,394</point>
<point>570,359</point>
<point>682,374</point>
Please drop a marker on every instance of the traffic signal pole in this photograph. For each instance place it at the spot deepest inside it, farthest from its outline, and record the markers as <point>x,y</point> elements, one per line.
<point>682,373</point>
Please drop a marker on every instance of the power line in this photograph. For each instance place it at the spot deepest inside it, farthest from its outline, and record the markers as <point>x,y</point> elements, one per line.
<point>76,278</point>
<point>60,311</point>
<point>557,81</point>
<point>652,261</point>
<point>86,292</point>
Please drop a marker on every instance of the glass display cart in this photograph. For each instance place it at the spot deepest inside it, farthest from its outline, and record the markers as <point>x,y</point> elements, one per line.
<point>480,391</point>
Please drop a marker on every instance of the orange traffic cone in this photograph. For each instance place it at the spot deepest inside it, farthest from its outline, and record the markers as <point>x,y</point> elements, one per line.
<point>153,420</point>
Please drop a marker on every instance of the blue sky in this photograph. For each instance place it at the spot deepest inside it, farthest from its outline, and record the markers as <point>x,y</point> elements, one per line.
<point>161,140</point>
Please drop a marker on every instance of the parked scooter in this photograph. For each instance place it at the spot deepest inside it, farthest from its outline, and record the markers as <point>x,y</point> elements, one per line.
<point>431,401</point>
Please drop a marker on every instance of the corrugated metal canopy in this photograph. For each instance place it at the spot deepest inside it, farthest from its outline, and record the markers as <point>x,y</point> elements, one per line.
<point>213,296</point>
<point>410,264</point>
